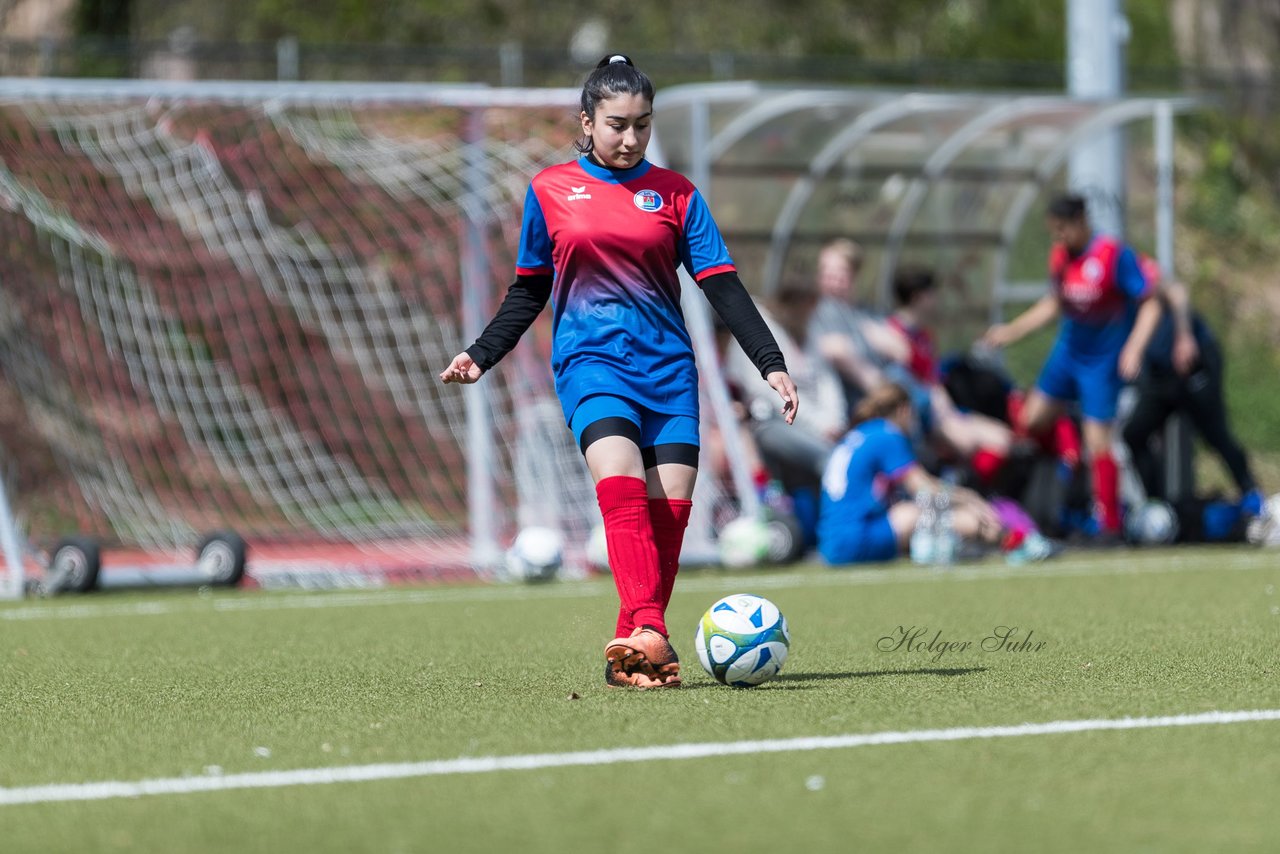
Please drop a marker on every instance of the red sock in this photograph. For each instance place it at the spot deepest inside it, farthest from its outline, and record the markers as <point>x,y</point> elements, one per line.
<point>986,464</point>
<point>1066,439</point>
<point>1106,491</point>
<point>633,554</point>
<point>670,516</point>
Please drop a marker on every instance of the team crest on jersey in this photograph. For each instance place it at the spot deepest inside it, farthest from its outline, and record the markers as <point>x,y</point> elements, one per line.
<point>576,193</point>
<point>648,200</point>
<point>1093,271</point>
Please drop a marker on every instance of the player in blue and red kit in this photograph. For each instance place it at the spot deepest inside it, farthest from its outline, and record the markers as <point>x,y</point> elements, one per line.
<point>1108,316</point>
<point>863,520</point>
<point>602,239</point>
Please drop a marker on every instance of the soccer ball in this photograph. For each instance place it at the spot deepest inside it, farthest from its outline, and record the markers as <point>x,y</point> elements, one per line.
<point>598,550</point>
<point>1264,529</point>
<point>743,640</point>
<point>536,554</point>
<point>1152,523</point>
<point>744,542</point>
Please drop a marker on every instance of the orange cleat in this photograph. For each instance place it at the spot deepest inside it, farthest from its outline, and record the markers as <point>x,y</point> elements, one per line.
<point>617,678</point>
<point>647,653</point>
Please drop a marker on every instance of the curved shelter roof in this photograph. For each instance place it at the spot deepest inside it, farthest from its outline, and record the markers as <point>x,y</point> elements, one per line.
<point>896,171</point>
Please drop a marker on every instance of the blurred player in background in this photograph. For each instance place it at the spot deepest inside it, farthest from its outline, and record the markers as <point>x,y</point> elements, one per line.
<point>601,239</point>
<point>861,521</point>
<point>1182,372</point>
<point>1108,317</point>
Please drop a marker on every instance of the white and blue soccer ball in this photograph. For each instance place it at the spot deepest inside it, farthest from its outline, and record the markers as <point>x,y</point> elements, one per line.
<point>536,555</point>
<point>744,542</point>
<point>1152,523</point>
<point>743,640</point>
<point>1264,529</point>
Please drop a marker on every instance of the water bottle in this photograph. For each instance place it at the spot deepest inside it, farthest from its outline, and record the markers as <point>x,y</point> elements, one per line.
<point>944,537</point>
<point>922,536</point>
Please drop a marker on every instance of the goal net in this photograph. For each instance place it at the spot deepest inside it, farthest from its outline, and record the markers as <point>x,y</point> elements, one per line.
<point>225,306</point>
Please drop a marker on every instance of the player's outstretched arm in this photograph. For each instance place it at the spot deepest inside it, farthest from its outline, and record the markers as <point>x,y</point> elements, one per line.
<point>1042,313</point>
<point>1186,350</point>
<point>525,299</point>
<point>1135,346</point>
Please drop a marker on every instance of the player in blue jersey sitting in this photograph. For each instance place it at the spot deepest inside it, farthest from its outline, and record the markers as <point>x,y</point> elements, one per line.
<point>863,521</point>
<point>1108,316</point>
<point>602,239</point>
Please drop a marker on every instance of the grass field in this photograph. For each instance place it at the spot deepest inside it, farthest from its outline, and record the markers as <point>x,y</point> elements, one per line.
<point>191,690</point>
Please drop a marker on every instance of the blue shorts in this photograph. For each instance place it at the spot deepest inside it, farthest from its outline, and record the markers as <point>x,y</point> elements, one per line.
<point>656,428</point>
<point>869,540</point>
<point>1095,382</point>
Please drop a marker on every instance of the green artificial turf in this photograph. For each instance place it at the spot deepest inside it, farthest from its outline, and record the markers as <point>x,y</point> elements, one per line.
<point>127,687</point>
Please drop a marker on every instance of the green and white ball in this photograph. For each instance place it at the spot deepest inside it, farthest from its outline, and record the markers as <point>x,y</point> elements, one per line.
<point>743,640</point>
<point>744,542</point>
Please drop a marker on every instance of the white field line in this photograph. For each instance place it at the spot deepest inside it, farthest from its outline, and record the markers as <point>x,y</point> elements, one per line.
<point>714,581</point>
<point>63,792</point>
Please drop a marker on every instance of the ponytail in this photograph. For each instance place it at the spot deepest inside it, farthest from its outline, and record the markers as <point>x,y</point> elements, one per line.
<point>881,403</point>
<point>614,75</point>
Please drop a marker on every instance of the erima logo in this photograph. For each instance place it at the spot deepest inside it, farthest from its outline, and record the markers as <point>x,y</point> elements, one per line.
<point>648,200</point>
<point>576,193</point>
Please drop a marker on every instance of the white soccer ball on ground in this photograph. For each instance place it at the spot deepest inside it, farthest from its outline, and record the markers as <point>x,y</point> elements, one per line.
<point>598,550</point>
<point>1264,529</point>
<point>745,541</point>
<point>743,640</point>
<point>1152,523</point>
<point>536,555</point>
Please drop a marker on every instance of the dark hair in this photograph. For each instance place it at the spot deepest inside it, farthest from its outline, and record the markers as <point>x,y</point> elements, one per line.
<point>910,282</point>
<point>881,403</point>
<point>615,75</point>
<point>795,292</point>
<point>1067,206</point>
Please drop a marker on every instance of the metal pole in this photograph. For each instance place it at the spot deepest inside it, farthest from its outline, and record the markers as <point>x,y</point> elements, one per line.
<point>1096,33</point>
<point>1179,462</point>
<point>12,551</point>
<point>511,64</point>
<point>481,495</point>
<point>700,329</point>
<point>287,58</point>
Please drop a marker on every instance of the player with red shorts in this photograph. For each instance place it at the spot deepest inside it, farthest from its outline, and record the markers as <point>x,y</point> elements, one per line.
<point>1108,317</point>
<point>602,239</point>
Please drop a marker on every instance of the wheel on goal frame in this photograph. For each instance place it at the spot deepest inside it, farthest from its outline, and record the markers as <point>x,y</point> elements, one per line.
<point>220,557</point>
<point>74,563</point>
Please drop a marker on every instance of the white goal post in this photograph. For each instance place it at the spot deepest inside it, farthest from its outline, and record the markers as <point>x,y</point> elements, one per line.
<point>224,305</point>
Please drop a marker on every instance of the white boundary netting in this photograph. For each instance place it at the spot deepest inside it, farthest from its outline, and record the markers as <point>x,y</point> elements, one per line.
<point>230,313</point>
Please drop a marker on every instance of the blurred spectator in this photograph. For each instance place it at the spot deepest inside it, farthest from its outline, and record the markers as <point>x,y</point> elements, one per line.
<point>965,437</point>
<point>1182,372</point>
<point>794,455</point>
<point>853,341</point>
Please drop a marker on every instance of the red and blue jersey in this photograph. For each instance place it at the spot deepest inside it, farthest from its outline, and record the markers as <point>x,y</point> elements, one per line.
<point>613,240</point>
<point>1099,291</point>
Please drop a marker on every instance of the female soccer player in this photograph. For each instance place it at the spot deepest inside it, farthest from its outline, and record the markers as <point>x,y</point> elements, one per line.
<point>1108,317</point>
<point>860,522</point>
<point>602,237</point>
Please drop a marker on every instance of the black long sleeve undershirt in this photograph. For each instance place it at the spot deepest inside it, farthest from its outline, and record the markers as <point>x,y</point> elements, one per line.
<point>731,301</point>
<point>529,294</point>
<point>524,301</point>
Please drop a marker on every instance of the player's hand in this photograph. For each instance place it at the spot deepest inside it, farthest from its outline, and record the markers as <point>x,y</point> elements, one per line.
<point>1186,352</point>
<point>1000,335</point>
<point>780,381</point>
<point>462,369</point>
<point>1130,363</point>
